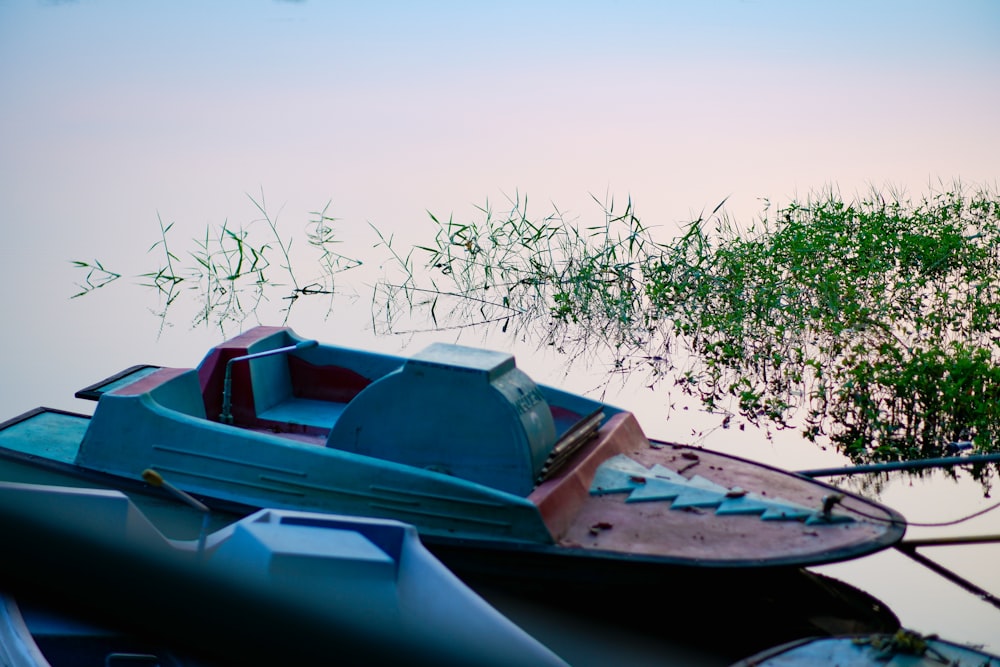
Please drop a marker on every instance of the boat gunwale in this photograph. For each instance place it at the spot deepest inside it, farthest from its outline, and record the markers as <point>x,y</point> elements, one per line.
<point>895,523</point>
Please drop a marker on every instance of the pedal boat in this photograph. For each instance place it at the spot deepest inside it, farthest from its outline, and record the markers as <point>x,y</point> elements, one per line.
<point>496,472</point>
<point>283,585</point>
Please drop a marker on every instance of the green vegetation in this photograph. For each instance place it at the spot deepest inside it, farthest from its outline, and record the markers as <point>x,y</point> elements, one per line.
<point>229,273</point>
<point>872,324</point>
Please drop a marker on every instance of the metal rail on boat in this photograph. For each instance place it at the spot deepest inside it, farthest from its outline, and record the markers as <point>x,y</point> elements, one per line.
<point>227,394</point>
<point>919,464</point>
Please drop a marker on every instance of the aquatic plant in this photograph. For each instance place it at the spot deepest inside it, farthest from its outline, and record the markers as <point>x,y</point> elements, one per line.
<point>96,278</point>
<point>228,273</point>
<point>874,323</point>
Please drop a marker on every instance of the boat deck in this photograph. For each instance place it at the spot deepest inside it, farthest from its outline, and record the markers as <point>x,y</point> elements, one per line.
<point>45,433</point>
<point>610,522</point>
<point>767,525</point>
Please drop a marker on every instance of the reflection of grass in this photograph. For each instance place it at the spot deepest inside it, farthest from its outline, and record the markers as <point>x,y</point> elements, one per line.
<point>875,323</point>
<point>164,279</point>
<point>97,277</point>
<point>521,272</point>
<point>229,273</point>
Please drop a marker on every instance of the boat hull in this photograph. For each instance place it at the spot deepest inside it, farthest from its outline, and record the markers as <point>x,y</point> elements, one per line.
<point>585,526</point>
<point>788,601</point>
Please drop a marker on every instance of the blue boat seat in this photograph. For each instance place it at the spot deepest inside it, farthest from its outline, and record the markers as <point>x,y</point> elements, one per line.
<point>275,400</point>
<point>305,412</point>
<point>300,392</point>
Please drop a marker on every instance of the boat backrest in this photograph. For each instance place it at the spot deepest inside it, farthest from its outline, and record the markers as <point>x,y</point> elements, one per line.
<point>269,376</point>
<point>245,398</point>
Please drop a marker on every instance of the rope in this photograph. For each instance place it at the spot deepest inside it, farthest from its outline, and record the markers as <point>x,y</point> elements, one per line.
<point>935,524</point>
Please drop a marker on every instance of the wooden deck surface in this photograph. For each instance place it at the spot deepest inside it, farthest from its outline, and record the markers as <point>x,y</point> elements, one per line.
<point>609,523</point>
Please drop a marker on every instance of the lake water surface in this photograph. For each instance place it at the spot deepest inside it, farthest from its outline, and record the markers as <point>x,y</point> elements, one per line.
<point>114,115</point>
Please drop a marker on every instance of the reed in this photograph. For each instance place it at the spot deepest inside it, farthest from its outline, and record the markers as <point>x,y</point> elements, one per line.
<point>96,278</point>
<point>227,272</point>
<point>872,324</point>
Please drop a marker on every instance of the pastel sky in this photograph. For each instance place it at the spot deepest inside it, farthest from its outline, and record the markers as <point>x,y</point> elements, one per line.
<point>390,108</point>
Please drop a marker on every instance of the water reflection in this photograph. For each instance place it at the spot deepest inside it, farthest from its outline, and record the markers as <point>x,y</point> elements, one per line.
<point>112,112</point>
<point>747,322</point>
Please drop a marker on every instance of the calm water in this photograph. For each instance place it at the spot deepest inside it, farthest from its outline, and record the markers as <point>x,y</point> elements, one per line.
<point>115,113</point>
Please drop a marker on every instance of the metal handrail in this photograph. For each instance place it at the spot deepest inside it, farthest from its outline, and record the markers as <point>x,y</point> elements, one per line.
<point>226,417</point>
<point>918,464</point>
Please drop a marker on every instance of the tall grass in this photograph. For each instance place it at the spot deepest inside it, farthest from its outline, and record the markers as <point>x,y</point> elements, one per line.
<point>227,273</point>
<point>873,323</point>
